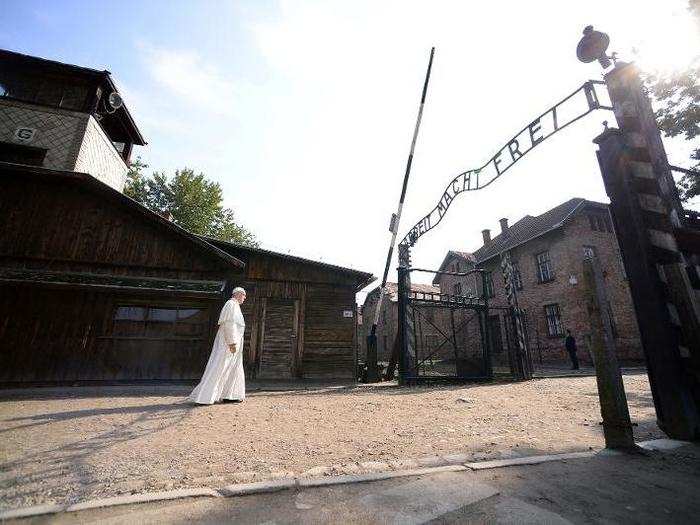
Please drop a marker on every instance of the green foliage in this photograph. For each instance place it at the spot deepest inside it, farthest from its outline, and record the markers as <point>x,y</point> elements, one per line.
<point>190,200</point>
<point>679,115</point>
<point>136,185</point>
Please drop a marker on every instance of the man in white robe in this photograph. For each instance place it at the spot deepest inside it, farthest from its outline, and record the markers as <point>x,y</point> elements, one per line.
<point>224,378</point>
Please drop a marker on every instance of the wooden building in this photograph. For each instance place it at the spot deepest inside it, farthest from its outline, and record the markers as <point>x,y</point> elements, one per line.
<point>300,315</point>
<point>95,287</point>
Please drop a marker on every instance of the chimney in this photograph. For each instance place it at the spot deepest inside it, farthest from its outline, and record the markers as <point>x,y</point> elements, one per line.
<point>504,225</point>
<point>487,235</point>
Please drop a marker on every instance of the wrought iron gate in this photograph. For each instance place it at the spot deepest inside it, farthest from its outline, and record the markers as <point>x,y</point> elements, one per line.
<point>446,337</point>
<point>449,338</point>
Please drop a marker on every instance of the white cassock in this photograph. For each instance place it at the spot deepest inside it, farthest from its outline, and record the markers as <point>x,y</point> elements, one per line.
<point>224,377</point>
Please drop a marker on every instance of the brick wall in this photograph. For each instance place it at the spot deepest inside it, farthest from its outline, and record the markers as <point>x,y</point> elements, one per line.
<point>386,329</point>
<point>447,282</point>
<point>566,247</point>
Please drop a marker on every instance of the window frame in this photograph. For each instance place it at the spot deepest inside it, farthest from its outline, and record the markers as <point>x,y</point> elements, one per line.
<point>555,328</point>
<point>147,307</point>
<point>548,263</point>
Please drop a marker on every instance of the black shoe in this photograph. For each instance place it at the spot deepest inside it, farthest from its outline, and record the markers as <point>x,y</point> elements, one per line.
<point>232,400</point>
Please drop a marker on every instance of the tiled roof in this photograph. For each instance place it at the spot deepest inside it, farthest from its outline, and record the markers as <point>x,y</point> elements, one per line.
<point>469,257</point>
<point>530,227</point>
<point>392,290</point>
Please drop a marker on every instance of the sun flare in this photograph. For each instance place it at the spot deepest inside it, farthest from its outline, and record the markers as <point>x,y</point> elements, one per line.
<point>672,44</point>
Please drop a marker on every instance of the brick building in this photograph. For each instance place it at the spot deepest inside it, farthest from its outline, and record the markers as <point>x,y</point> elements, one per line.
<point>389,319</point>
<point>547,251</point>
<point>456,262</point>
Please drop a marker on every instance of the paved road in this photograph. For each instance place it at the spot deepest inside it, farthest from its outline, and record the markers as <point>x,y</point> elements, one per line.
<point>658,488</point>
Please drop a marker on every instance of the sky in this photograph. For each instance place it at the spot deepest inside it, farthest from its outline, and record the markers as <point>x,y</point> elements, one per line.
<point>304,111</point>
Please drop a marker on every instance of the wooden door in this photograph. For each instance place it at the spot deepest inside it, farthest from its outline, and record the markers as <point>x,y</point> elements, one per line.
<point>278,340</point>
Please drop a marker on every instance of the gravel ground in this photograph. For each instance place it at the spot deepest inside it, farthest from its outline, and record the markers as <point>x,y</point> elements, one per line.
<point>67,445</point>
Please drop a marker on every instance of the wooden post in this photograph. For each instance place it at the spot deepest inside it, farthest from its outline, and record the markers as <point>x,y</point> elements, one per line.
<point>617,427</point>
<point>394,359</point>
<point>301,327</point>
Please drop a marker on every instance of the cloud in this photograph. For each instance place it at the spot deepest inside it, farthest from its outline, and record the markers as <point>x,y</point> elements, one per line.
<point>186,75</point>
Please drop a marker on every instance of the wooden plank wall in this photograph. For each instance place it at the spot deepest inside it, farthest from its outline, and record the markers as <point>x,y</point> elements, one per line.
<point>67,228</point>
<point>49,335</point>
<point>324,346</point>
<point>328,336</point>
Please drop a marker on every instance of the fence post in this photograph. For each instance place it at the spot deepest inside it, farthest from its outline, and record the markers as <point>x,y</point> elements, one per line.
<point>407,343</point>
<point>617,427</point>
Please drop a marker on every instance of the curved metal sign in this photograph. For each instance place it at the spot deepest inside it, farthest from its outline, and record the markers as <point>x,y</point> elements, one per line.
<point>556,118</point>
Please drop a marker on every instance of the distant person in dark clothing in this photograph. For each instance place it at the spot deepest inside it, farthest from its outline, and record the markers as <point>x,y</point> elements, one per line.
<point>570,344</point>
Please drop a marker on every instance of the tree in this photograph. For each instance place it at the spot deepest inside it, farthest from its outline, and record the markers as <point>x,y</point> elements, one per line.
<point>190,200</point>
<point>136,184</point>
<point>679,114</point>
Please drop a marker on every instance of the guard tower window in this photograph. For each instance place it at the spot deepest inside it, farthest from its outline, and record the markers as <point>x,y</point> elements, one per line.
<point>21,154</point>
<point>45,90</point>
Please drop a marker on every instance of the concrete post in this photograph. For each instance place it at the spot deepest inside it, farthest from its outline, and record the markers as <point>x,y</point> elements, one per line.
<point>646,209</point>
<point>617,427</point>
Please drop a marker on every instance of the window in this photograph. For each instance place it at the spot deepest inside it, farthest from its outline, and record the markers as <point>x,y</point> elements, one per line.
<point>21,154</point>
<point>517,278</point>
<point>544,267</point>
<point>553,316</point>
<point>589,252</point>
<point>160,322</point>
<point>56,92</point>
<point>489,292</point>
<point>458,289</point>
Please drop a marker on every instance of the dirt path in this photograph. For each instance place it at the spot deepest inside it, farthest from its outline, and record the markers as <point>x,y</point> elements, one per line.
<point>64,448</point>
